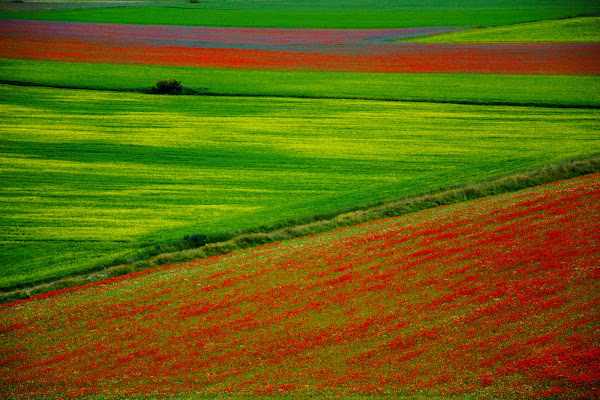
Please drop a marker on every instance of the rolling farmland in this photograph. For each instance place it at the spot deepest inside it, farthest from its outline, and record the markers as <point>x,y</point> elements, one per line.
<point>586,29</point>
<point>484,89</point>
<point>303,50</point>
<point>492,298</point>
<point>289,119</point>
<point>347,14</point>
<point>119,172</point>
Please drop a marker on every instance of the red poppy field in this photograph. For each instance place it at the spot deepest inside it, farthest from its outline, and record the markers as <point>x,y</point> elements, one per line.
<point>291,49</point>
<point>204,181</point>
<point>495,298</point>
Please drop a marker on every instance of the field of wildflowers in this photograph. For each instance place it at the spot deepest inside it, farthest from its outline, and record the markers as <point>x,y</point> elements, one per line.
<point>493,298</point>
<point>302,49</point>
<point>299,115</point>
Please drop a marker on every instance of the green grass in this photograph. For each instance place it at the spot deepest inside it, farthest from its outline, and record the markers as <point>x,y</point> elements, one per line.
<point>318,4</point>
<point>92,176</point>
<point>370,4</point>
<point>585,29</point>
<point>395,4</point>
<point>468,88</point>
<point>303,18</point>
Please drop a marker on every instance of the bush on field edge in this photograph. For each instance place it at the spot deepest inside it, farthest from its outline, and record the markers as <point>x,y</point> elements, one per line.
<point>170,86</point>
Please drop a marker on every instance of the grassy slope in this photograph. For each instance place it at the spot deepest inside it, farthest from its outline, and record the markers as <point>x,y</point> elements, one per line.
<point>303,18</point>
<point>470,88</point>
<point>497,298</point>
<point>586,29</point>
<point>121,171</point>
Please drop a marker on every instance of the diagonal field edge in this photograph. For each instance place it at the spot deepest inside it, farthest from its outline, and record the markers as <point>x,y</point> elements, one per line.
<point>314,225</point>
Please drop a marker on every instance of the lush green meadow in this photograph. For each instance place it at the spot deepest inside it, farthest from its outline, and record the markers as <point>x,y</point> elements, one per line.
<point>585,29</point>
<point>367,4</point>
<point>286,17</point>
<point>118,173</point>
<point>555,90</point>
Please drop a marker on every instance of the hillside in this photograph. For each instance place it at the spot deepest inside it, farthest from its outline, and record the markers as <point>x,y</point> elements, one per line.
<point>338,199</point>
<point>285,126</point>
<point>586,29</point>
<point>493,298</point>
<point>341,50</point>
<point>119,174</point>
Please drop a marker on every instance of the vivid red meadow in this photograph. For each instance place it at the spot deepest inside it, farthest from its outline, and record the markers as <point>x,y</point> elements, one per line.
<point>288,49</point>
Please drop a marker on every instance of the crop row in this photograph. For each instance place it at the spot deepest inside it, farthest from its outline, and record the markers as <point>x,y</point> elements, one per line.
<point>498,297</point>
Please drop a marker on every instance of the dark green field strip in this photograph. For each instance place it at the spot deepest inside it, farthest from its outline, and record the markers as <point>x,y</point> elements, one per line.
<point>303,18</point>
<point>90,177</point>
<point>572,91</point>
<point>391,4</point>
<point>312,4</point>
<point>370,4</point>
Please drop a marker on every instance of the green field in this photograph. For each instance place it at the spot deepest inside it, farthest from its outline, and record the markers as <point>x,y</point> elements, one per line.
<point>573,91</point>
<point>305,18</point>
<point>90,176</point>
<point>342,4</point>
<point>585,29</point>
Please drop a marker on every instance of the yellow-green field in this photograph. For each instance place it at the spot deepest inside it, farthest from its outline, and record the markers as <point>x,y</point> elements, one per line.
<point>91,177</point>
<point>586,29</point>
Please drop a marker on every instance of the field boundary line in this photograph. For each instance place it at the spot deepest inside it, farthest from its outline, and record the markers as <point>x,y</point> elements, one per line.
<point>230,241</point>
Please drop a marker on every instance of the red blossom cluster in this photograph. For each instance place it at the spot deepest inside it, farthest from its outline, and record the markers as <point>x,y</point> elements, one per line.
<point>497,297</point>
<point>309,50</point>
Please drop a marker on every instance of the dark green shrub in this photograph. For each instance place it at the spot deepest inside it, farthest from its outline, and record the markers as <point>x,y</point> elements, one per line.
<point>196,240</point>
<point>170,86</point>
